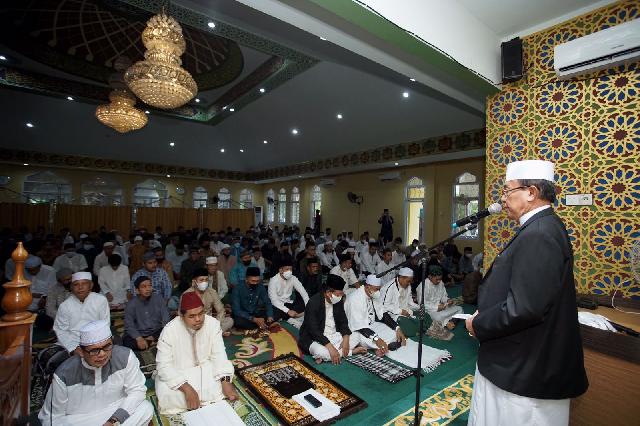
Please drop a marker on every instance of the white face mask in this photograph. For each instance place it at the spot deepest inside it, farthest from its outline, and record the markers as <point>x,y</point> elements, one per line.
<point>469,255</point>
<point>202,286</point>
<point>287,275</point>
<point>375,295</point>
<point>335,299</point>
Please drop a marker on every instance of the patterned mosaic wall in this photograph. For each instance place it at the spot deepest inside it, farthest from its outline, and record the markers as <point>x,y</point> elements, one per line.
<point>590,127</point>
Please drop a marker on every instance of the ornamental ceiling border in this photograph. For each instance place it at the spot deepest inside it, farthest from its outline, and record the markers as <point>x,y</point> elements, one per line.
<point>455,142</point>
<point>283,65</point>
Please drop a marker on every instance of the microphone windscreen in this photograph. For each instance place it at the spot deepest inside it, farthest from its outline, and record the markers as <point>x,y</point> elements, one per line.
<point>495,208</point>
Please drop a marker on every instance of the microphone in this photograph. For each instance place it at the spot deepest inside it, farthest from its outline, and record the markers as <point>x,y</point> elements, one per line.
<point>474,218</point>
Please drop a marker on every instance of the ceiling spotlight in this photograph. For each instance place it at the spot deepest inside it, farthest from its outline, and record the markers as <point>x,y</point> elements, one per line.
<point>395,164</point>
<point>262,90</point>
<point>339,116</point>
<point>232,109</point>
<point>299,176</point>
<point>197,100</point>
<point>25,164</point>
<point>265,142</point>
<point>412,79</point>
<point>169,176</point>
<point>241,150</point>
<point>323,39</point>
<point>294,131</point>
<point>211,25</point>
<point>221,149</point>
<point>3,58</point>
<point>146,111</point>
<point>172,144</point>
<point>69,98</point>
<point>224,107</point>
<point>29,125</point>
<point>405,94</point>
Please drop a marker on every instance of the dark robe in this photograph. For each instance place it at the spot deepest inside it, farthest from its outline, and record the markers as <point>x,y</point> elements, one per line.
<point>312,329</point>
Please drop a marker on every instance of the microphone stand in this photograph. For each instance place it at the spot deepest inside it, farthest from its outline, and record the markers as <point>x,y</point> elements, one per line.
<point>422,312</point>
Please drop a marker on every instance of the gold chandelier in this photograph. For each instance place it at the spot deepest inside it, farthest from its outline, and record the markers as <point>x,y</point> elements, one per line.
<point>160,80</point>
<point>121,114</point>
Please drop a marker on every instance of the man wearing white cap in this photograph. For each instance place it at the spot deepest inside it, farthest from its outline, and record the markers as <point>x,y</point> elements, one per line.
<point>42,277</point>
<point>217,280</point>
<point>102,386</point>
<point>530,360</point>
<point>102,259</point>
<point>82,307</point>
<point>369,259</point>
<point>70,259</point>
<point>375,329</point>
<point>395,290</point>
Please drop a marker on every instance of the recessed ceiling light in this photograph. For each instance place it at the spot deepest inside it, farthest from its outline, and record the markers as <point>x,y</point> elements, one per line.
<point>412,79</point>
<point>299,176</point>
<point>294,131</point>
<point>25,164</point>
<point>172,144</point>
<point>265,142</point>
<point>405,94</point>
<point>323,39</point>
<point>262,90</point>
<point>29,125</point>
<point>395,164</point>
<point>339,116</point>
<point>197,100</point>
<point>221,149</point>
<point>211,24</point>
<point>69,98</point>
<point>146,111</point>
<point>3,58</point>
<point>232,109</point>
<point>241,150</point>
<point>224,107</point>
<point>169,176</point>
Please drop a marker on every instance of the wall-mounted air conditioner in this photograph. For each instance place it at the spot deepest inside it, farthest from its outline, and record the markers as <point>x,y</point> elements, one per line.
<point>603,49</point>
<point>387,177</point>
<point>326,183</point>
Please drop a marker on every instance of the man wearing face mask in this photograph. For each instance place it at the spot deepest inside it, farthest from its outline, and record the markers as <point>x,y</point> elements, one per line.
<point>239,271</point>
<point>59,292</point>
<point>344,271</point>
<point>325,333</point>
<point>465,264</point>
<point>287,294</point>
<point>366,318</point>
<point>213,306</point>
<point>70,259</point>
<point>163,263</point>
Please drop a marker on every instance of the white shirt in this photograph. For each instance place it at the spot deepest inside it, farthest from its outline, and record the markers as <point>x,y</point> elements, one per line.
<point>76,263</point>
<point>73,315</point>
<point>115,282</point>
<point>525,217</point>
<point>222,288</point>
<point>433,295</point>
<point>390,294</point>
<point>259,264</point>
<point>381,267</point>
<point>406,301</point>
<point>281,291</point>
<point>41,283</point>
<point>361,310</point>
<point>348,276</point>
<point>175,260</point>
<point>328,259</point>
<point>398,258</point>
<point>329,322</point>
<point>368,261</point>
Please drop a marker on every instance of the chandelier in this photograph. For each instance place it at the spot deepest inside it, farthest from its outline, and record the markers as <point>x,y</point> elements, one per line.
<point>160,80</point>
<point>121,114</point>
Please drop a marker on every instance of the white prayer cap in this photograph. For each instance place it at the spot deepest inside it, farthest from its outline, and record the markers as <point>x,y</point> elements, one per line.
<point>32,262</point>
<point>108,244</point>
<point>405,272</point>
<point>83,236</point>
<point>530,169</point>
<point>94,332</point>
<point>137,238</point>
<point>212,260</point>
<point>415,253</point>
<point>352,243</point>
<point>81,276</point>
<point>68,240</point>
<point>349,250</point>
<point>373,280</point>
<point>225,246</point>
<point>372,240</point>
<point>328,242</point>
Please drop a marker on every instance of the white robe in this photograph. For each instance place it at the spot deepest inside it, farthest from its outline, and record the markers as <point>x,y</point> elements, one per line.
<point>223,287</point>
<point>319,351</point>
<point>348,276</point>
<point>362,312</point>
<point>115,282</point>
<point>76,263</point>
<point>73,315</point>
<point>433,296</point>
<point>398,258</point>
<point>328,259</point>
<point>117,389</point>
<point>41,283</point>
<point>281,291</point>
<point>390,295</point>
<point>367,262</point>
<point>381,267</point>
<point>197,358</point>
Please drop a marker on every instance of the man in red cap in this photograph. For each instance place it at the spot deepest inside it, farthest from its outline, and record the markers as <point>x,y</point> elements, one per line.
<point>193,369</point>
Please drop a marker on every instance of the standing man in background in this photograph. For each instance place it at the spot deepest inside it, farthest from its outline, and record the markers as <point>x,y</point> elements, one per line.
<point>386,226</point>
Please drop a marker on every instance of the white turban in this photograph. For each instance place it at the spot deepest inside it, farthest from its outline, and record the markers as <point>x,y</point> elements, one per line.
<point>94,332</point>
<point>530,169</point>
<point>373,280</point>
<point>405,272</point>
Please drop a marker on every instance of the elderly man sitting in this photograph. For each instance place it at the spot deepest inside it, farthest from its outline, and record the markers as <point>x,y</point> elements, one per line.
<point>193,369</point>
<point>102,386</point>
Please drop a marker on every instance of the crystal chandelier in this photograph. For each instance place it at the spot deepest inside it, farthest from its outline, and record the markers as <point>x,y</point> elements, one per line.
<point>121,114</point>
<point>160,80</point>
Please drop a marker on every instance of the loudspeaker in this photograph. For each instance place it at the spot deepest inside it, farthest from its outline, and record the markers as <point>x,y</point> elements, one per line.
<point>511,60</point>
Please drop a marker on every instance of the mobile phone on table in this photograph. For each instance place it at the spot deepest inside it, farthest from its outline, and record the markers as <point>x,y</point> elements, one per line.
<point>313,400</point>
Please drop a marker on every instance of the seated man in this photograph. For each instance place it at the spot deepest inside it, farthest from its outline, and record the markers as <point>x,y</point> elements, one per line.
<point>114,281</point>
<point>159,278</point>
<point>212,304</point>
<point>369,258</point>
<point>287,303</point>
<point>102,386</point>
<point>312,279</point>
<point>258,260</point>
<point>217,281</point>
<point>391,294</point>
<point>59,292</point>
<point>327,256</point>
<point>43,278</point>
<point>193,369</point>
<point>384,265</point>
<point>345,271</point>
<point>70,259</point>
<point>81,308</point>
<point>436,300</point>
<point>144,316</point>
<point>251,305</point>
<point>239,270</point>
<point>325,333</point>
<point>366,318</point>
<point>102,259</point>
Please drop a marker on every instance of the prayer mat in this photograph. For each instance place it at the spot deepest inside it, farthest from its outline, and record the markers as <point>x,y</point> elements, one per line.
<point>380,366</point>
<point>147,360</point>
<point>443,407</point>
<point>265,378</point>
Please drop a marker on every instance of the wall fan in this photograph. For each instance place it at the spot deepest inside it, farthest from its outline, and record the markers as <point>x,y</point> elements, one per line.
<point>353,198</point>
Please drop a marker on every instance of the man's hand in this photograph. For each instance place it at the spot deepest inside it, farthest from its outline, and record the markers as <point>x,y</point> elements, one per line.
<point>345,345</point>
<point>469,324</point>
<point>109,297</point>
<point>333,352</point>
<point>405,313</point>
<point>449,302</point>
<point>357,284</point>
<point>229,391</point>
<point>269,320</point>
<point>400,337</point>
<point>441,306</point>
<point>142,343</point>
<point>383,348</point>
<point>129,296</point>
<point>292,313</point>
<point>260,323</point>
<point>190,394</point>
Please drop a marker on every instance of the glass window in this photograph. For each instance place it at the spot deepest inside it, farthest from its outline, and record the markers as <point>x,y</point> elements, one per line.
<point>271,206</point>
<point>282,206</point>
<point>246,199</point>
<point>101,191</point>
<point>200,197</point>
<point>295,206</point>
<point>466,201</point>
<point>150,193</point>
<point>414,210</point>
<point>316,203</point>
<point>224,198</point>
<point>46,186</point>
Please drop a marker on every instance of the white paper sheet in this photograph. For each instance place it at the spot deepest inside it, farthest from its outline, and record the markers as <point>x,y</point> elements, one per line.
<point>326,411</point>
<point>462,316</point>
<point>221,411</point>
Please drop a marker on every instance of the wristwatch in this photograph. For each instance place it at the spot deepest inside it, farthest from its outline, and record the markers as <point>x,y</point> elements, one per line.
<point>226,379</point>
<point>375,338</point>
<point>114,421</point>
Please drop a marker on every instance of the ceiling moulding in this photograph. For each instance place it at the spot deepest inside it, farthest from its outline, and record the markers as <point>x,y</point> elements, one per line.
<point>39,20</point>
<point>452,143</point>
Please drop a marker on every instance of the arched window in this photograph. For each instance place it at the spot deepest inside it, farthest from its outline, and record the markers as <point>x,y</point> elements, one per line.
<point>466,200</point>
<point>224,198</point>
<point>414,210</point>
<point>150,193</point>
<point>271,206</point>
<point>316,203</point>
<point>43,187</point>
<point>282,206</point>
<point>246,199</point>
<point>101,191</point>
<point>200,197</point>
<point>295,206</point>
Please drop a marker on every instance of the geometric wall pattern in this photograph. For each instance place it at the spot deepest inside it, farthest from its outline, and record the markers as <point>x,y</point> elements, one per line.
<point>589,127</point>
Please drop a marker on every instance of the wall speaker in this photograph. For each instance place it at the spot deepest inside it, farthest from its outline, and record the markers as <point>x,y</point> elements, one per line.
<point>511,60</point>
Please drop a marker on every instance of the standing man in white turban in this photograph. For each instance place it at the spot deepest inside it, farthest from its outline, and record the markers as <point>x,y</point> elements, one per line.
<point>530,360</point>
<point>102,386</point>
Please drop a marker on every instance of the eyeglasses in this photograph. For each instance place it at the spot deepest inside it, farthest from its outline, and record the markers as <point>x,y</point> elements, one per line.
<point>95,352</point>
<point>506,192</point>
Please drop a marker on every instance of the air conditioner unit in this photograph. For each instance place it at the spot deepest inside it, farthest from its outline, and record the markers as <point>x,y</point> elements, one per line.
<point>257,213</point>
<point>389,176</point>
<point>603,49</point>
<point>325,183</point>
